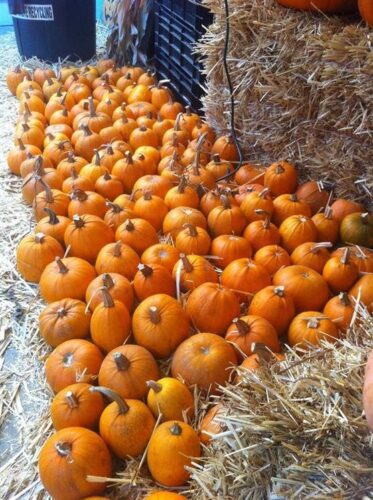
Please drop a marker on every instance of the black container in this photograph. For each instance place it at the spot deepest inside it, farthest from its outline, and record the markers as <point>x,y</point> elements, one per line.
<point>178,24</point>
<point>55,29</point>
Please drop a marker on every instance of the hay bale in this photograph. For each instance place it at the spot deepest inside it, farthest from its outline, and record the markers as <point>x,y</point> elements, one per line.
<point>296,429</point>
<point>303,86</point>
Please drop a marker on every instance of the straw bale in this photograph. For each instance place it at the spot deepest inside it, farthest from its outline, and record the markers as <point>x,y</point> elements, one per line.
<point>295,429</point>
<point>303,89</point>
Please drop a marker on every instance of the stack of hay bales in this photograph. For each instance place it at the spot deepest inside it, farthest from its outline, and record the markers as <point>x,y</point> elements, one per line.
<point>303,88</point>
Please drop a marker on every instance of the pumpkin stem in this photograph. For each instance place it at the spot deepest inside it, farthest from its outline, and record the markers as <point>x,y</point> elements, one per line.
<point>155,317</point>
<point>279,290</point>
<point>79,194</point>
<point>216,158</point>
<point>121,361</point>
<point>86,130</point>
<point>78,221</point>
<point>107,175</point>
<point>152,384</point>
<point>92,111</point>
<point>143,128</point>
<point>38,166</point>
<point>225,200</point>
<point>192,230</point>
<point>182,184</point>
<point>63,449</point>
<point>107,281</point>
<point>74,175</point>
<point>145,270</point>
<point>129,158</point>
<point>53,219</point>
<point>263,193</point>
<point>293,197</point>
<point>175,429</point>
<point>262,351</point>
<point>21,144</point>
<point>71,157</point>
<point>147,196</point>
<point>109,149</point>
<point>188,110</point>
<point>72,400</point>
<point>324,244</point>
<point>107,298</point>
<point>345,256</point>
<point>117,249</point>
<point>61,312</point>
<point>177,122</point>
<point>242,327</point>
<point>39,237</point>
<point>114,207</point>
<point>186,263</point>
<point>97,158</point>
<point>313,323</point>
<point>279,169</point>
<point>61,266</point>
<point>343,297</point>
<point>122,405</point>
<point>130,226</point>
<point>25,127</point>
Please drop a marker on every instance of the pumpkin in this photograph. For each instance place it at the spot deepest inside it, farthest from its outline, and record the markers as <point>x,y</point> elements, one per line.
<point>31,164</point>
<point>76,406</point>
<point>148,157</point>
<point>363,291</point>
<point>125,425</point>
<point>109,157</point>
<point>143,136</point>
<point>19,154</point>
<point>261,233</point>
<point>281,178</point>
<point>307,287</point>
<point>86,236</point>
<point>155,184</point>
<point>170,109</point>
<point>276,305</point>
<point>15,77</point>
<point>160,95</point>
<point>72,454</point>
<point>79,184</point>
<point>272,258</point>
<point>56,151</point>
<point>160,324</point>
<point>152,279</point>
<point>161,126</point>
<point>199,177</point>
<point>34,182</point>
<point>257,205</point>
<point>75,360</point>
<point>104,64</point>
<point>340,309</point>
<point>41,74</point>
<point>203,303</point>
<point>193,240</point>
<point>126,370</point>
<point>314,194</point>
<point>313,255</point>
<point>176,218</point>
<point>125,201</point>
<point>94,120</point>
<point>368,392</point>
<point>204,360</point>
<point>227,248</point>
<point>128,171</point>
<point>138,109</point>
<point>31,135</point>
<point>117,258</point>
<point>107,106</point>
<point>245,277</point>
<point>50,86</point>
<point>361,257</point>
<point>26,83</point>
<point>116,215</point>
<point>93,170</point>
<point>172,447</point>
<point>67,164</point>
<point>152,209</point>
<point>213,199</point>
<point>193,270</point>
<point>165,495</point>
<point>226,148</point>
<point>109,186</point>
<point>340,272</point>
<point>249,173</point>
<point>366,12</point>
<point>87,143</point>
<point>295,230</point>
<point>327,227</point>
<point>137,233</point>
<point>163,254</point>
<point>34,253</point>
<point>286,205</point>
<point>86,203</point>
<point>61,116</point>
<point>341,207</point>
<point>63,320</point>
<point>53,225</point>
<point>119,287</point>
<point>140,93</point>
<point>68,277</point>
<point>311,327</point>
<point>170,398</point>
<point>357,228</point>
<point>226,219</point>
<point>211,423</point>
<point>110,323</point>
<point>246,330</point>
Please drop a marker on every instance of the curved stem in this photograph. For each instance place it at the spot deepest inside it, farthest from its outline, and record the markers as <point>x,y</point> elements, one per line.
<point>122,405</point>
<point>226,203</point>
<point>79,194</point>
<point>107,281</point>
<point>72,400</point>
<point>145,270</point>
<point>92,111</point>
<point>324,244</point>
<point>192,230</point>
<point>242,327</point>
<point>186,263</point>
<point>114,207</point>
<point>117,249</point>
<point>293,197</point>
<point>61,266</point>
<point>107,298</point>
<point>345,256</point>
<point>122,363</point>
<point>152,384</point>
<point>344,299</point>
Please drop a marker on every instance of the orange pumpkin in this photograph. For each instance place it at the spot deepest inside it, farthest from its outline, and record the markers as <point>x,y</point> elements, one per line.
<point>366,11</point>
<point>193,270</point>
<point>227,248</point>
<point>119,287</point>
<point>340,310</point>
<point>176,218</point>
<point>311,327</point>
<point>137,233</point>
<point>340,272</point>
<point>286,205</point>
<point>257,205</point>
<point>341,207</point>
<point>19,154</point>
<point>261,233</point>
<point>204,360</point>
<point>245,277</point>
<point>151,208</point>
<point>226,148</point>
<point>281,178</point>
<point>160,324</point>
<point>75,360</point>
<point>128,171</point>
<point>152,279</point>
<point>117,258</point>
<point>50,198</point>
<point>226,219</point>
<point>314,194</point>
<point>165,495</point>
<point>295,230</point>
<point>163,254</point>
<point>171,398</point>
<point>53,225</point>
<point>211,423</point>
<point>313,255</point>
<point>363,291</point>
<point>86,203</point>
<point>15,77</point>
<point>116,215</point>
<point>193,240</point>
<point>272,258</point>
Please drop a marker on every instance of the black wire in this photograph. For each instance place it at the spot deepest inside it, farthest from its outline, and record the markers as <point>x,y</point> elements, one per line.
<point>231,90</point>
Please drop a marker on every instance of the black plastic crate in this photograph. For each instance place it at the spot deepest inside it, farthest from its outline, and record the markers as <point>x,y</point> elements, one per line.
<point>178,24</point>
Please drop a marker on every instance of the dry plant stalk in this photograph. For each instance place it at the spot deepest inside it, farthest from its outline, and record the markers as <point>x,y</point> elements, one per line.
<point>303,88</point>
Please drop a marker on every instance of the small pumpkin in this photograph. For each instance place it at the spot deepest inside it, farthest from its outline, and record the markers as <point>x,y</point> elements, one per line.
<point>109,186</point>
<point>182,195</point>
<point>262,358</point>
<point>314,194</point>
<point>204,360</point>
<point>19,154</point>
<point>116,215</point>
<point>342,207</point>
<point>125,425</point>
<point>152,209</point>
<point>326,226</point>
<point>286,205</point>
<point>80,184</point>
<point>313,255</point>
<point>137,233</point>
<point>87,143</point>
<point>63,320</point>
<point>272,258</point>
<point>226,148</point>
<point>357,228</point>
<point>68,277</point>
<point>126,370</point>
<point>213,199</point>
<point>261,233</point>
<point>226,219</point>
<point>281,178</point>
<point>245,277</point>
<point>163,254</point>
<point>363,291</point>
<point>203,303</point>
<point>362,257</point>
<point>15,77</point>
<point>165,495</point>
<point>117,258</point>
<point>340,272</point>
<point>53,225</point>
<point>227,248</point>
<point>211,423</point>
<point>276,305</point>
<point>172,447</point>
<point>311,327</point>
<point>257,205</point>
<point>119,287</point>
<point>295,230</point>
<point>193,240</point>
<point>76,406</point>
<point>86,203</point>
<point>152,279</point>
<point>34,253</point>
<point>50,198</point>
<point>160,324</point>
<point>154,184</point>
<point>75,360</point>
<point>65,166</point>
<point>340,310</point>
<point>72,454</point>
<point>176,218</point>
<point>193,270</point>
<point>171,398</point>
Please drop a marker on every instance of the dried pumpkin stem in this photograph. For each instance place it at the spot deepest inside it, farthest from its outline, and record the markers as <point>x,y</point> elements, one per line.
<point>225,200</point>
<point>107,281</point>
<point>122,363</point>
<point>61,266</point>
<point>344,299</point>
<point>109,149</point>
<point>242,327</point>
<point>114,207</point>
<point>155,317</point>
<point>187,265</point>
<point>324,244</point>
<point>72,400</point>
<point>345,256</point>
<point>145,270</point>
<point>61,312</point>
<point>262,351</point>
<point>78,221</point>
<point>313,323</point>
<point>107,298</point>
<point>123,406</point>
<point>79,194</point>
<point>117,249</point>
<point>39,237</point>
<point>152,384</point>
<point>192,230</point>
<point>293,197</point>
<point>130,226</point>
<point>364,218</point>
<point>63,448</point>
<point>175,429</point>
<point>147,196</point>
<point>279,290</point>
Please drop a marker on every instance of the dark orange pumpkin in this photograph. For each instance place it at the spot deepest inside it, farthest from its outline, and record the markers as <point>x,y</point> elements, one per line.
<point>311,327</point>
<point>227,248</point>
<point>313,255</point>
<point>340,272</point>
<point>281,178</point>
<point>137,233</point>
<point>340,310</point>
<point>152,279</point>
<point>272,258</point>
<point>245,277</point>
<point>163,254</point>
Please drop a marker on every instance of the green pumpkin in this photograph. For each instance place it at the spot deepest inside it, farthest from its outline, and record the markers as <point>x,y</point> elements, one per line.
<point>357,228</point>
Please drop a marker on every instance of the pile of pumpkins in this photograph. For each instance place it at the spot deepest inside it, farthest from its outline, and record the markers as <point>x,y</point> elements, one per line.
<point>143,253</point>
<point>365,7</point>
